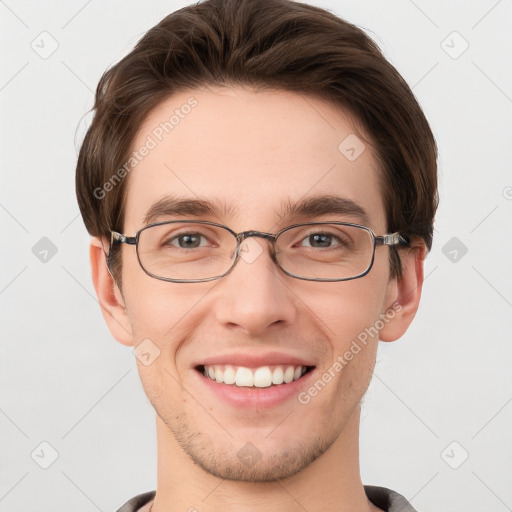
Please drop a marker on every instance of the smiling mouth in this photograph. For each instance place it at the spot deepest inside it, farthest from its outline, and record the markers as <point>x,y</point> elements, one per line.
<point>261,377</point>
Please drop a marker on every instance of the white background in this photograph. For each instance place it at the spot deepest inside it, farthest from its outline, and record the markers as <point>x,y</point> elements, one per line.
<point>64,380</point>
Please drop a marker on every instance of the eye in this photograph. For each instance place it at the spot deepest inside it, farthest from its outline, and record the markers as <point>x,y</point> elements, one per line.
<point>188,241</point>
<point>319,240</point>
<point>324,240</point>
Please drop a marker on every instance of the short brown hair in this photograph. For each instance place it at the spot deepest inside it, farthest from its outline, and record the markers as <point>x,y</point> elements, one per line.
<point>265,44</point>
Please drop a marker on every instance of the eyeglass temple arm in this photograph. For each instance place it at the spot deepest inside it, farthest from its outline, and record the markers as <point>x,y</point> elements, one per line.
<point>122,239</point>
<point>391,239</point>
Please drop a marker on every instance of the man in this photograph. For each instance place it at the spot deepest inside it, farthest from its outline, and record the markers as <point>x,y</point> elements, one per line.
<point>260,186</point>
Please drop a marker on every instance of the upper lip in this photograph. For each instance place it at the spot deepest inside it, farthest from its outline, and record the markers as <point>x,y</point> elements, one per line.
<point>255,360</point>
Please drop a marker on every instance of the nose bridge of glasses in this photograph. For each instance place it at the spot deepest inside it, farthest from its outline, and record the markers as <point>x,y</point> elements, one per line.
<point>241,237</point>
<point>261,234</point>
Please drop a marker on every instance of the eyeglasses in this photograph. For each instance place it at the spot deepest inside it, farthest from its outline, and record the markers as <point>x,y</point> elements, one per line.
<point>188,251</point>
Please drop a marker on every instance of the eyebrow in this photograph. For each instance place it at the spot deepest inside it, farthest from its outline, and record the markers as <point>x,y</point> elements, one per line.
<point>310,207</point>
<point>170,206</point>
<point>318,206</point>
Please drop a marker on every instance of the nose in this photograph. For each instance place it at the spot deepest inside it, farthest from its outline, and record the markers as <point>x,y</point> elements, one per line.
<point>256,294</point>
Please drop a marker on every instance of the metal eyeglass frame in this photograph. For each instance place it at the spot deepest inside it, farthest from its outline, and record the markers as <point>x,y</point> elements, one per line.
<point>390,239</point>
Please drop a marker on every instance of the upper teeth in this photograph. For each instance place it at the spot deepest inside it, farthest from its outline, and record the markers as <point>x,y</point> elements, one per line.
<point>261,377</point>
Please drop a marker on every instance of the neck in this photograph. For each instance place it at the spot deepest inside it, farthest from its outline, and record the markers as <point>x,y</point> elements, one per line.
<point>331,482</point>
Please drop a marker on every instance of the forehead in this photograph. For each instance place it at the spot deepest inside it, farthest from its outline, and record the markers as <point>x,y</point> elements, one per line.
<point>252,155</point>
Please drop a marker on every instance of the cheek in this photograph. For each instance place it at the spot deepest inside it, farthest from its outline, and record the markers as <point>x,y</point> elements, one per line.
<point>348,308</point>
<point>159,328</point>
<point>348,316</point>
<point>165,316</point>
<point>157,309</point>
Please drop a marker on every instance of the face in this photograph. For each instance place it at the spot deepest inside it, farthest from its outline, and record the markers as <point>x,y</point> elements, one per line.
<point>250,153</point>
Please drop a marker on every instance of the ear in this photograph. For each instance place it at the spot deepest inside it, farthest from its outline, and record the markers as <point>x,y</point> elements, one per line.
<point>109,296</point>
<point>404,293</point>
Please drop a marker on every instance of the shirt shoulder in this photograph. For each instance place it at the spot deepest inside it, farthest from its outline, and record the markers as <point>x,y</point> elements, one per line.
<point>384,498</point>
<point>387,499</point>
<point>137,502</point>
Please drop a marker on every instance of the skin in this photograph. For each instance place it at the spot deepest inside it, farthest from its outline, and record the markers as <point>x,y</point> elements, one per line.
<point>274,145</point>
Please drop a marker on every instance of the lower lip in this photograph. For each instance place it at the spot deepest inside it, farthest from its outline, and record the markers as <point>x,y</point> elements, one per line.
<point>252,397</point>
